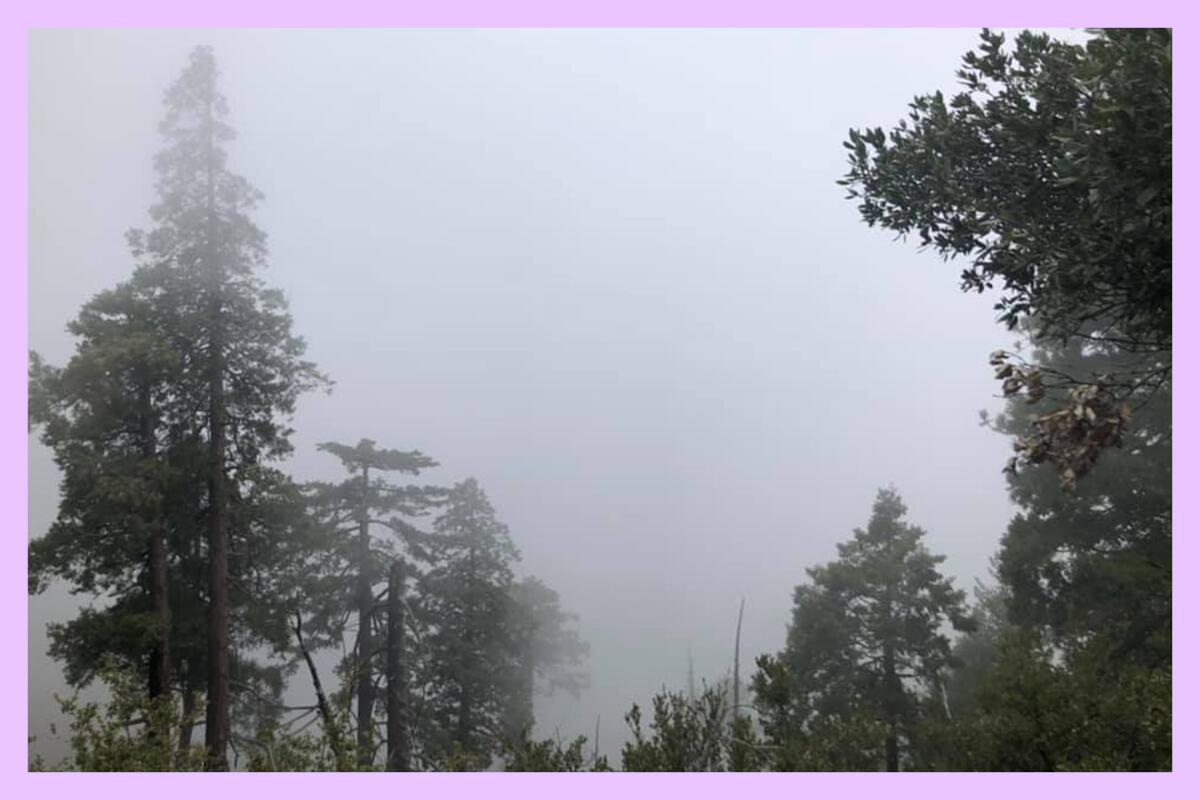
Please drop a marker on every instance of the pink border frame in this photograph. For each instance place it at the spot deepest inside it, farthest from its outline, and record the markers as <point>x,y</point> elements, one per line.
<point>18,20</point>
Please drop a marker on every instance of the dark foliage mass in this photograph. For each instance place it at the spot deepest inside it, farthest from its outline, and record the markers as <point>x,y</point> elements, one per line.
<point>216,577</point>
<point>1051,174</point>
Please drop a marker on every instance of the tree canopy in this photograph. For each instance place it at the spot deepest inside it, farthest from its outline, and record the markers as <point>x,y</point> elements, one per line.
<point>1051,175</point>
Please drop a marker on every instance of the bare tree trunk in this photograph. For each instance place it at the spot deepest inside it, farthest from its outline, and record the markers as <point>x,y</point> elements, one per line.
<point>596,743</point>
<point>366,645</point>
<point>737,655</point>
<point>399,747</point>
<point>216,728</point>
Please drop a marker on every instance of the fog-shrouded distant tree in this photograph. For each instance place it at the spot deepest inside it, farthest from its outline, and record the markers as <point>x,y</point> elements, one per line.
<point>1051,175</point>
<point>977,651</point>
<point>547,653</point>
<point>370,520</point>
<point>489,642</point>
<point>867,638</point>
<point>465,607</point>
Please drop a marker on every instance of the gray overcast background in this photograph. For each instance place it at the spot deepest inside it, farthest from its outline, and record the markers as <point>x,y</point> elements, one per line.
<point>608,273</point>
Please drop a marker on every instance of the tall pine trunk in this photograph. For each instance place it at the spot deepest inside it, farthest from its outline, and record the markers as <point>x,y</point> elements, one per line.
<point>366,645</point>
<point>399,747</point>
<point>160,654</point>
<point>890,682</point>
<point>892,690</point>
<point>160,657</point>
<point>464,697</point>
<point>216,731</point>
<point>216,726</point>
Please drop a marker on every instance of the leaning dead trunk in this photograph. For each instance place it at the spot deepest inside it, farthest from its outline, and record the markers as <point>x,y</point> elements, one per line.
<point>333,733</point>
<point>398,745</point>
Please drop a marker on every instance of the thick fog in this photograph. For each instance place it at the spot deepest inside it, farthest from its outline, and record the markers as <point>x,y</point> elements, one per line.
<point>607,273</point>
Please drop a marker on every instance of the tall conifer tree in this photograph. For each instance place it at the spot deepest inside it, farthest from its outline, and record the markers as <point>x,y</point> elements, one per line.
<point>868,632</point>
<point>242,366</point>
<point>371,522</point>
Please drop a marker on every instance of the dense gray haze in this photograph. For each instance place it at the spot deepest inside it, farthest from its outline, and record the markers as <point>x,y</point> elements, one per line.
<point>608,273</point>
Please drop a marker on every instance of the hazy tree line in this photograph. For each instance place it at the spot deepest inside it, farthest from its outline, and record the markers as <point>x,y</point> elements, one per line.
<point>1050,174</point>
<point>220,575</point>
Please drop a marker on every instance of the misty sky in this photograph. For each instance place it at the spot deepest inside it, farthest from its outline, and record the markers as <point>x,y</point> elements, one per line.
<point>607,273</point>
